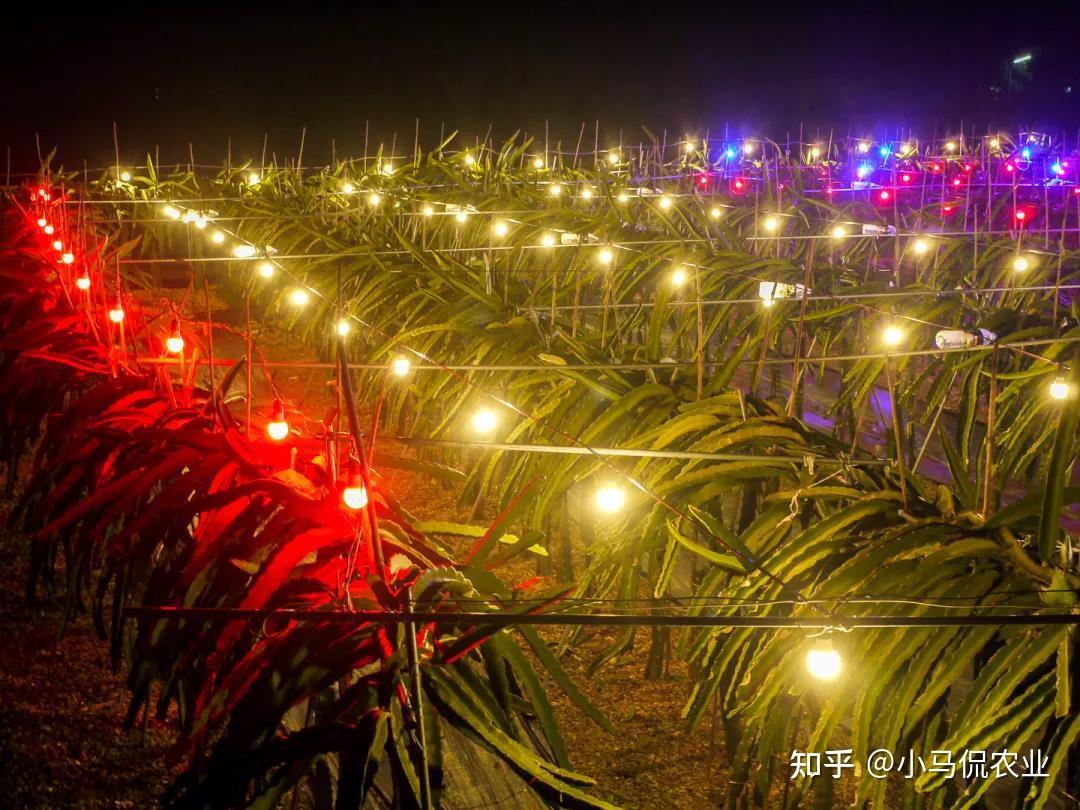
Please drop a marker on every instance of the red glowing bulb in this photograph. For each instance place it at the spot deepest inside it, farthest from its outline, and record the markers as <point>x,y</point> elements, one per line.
<point>1009,167</point>
<point>738,184</point>
<point>956,181</point>
<point>42,222</point>
<point>906,177</point>
<point>884,195</point>
<point>1021,215</point>
<point>83,282</point>
<point>175,342</point>
<point>937,167</point>
<point>355,495</point>
<point>277,428</point>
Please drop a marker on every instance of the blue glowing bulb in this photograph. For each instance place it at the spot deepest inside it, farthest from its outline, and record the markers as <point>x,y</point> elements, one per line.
<point>884,151</point>
<point>1025,153</point>
<point>729,153</point>
<point>1057,169</point>
<point>863,170</point>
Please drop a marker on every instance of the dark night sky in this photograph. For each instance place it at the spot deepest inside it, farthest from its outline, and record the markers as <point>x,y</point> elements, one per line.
<point>201,73</point>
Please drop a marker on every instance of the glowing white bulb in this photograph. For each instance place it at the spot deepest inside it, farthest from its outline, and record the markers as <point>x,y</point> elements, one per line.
<point>1020,264</point>
<point>920,246</point>
<point>400,366</point>
<point>771,224</point>
<point>171,212</point>
<point>266,269</point>
<point>42,222</point>
<point>299,297</point>
<point>277,430</point>
<point>469,159</point>
<point>484,421</point>
<point>461,216</point>
<point>864,147</point>
<point>1060,389</point>
<point>555,190</point>
<point>374,198</point>
<point>116,314</point>
<point>767,302</point>
<point>49,229</point>
<point>815,153</point>
<point>200,221</point>
<point>838,232</point>
<point>950,146</point>
<point>689,147</point>
<point>125,177</point>
<point>823,662</point>
<point>348,188</point>
<point>427,211</point>
<point>355,495</point>
<point>613,157</point>
<point>217,237</point>
<point>83,282</point>
<point>715,212</point>
<point>605,256</point>
<point>586,193</point>
<point>622,197</point>
<point>610,499</point>
<point>994,143</point>
<point>253,178</point>
<point>343,327</point>
<point>748,148</point>
<point>500,228</point>
<point>547,240</point>
<point>892,335</point>
<point>388,169</point>
<point>68,258</point>
<point>243,251</point>
<point>665,202</point>
<point>174,344</point>
<point>57,245</point>
<point>678,277</point>
<point>538,163</point>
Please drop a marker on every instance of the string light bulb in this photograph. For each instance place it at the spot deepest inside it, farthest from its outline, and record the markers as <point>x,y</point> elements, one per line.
<point>892,335</point>
<point>400,366</point>
<point>427,211</point>
<point>689,147</point>
<point>586,193</point>
<point>343,327</point>
<point>665,202</point>
<point>174,343</point>
<point>348,188</point>
<point>1060,389</point>
<point>461,216</point>
<point>266,269</point>
<point>172,212</point>
<point>547,240</point>
<point>42,222</point>
<point>277,428</point>
<point>1020,264</point>
<point>613,157</point>
<point>823,661</point>
<point>217,237</point>
<point>374,198</point>
<point>715,212</point>
<point>355,496</point>
<point>49,229</point>
<point>920,246</point>
<point>610,499</point>
<point>555,190</point>
<point>605,256</point>
<point>838,232</point>
<point>771,224</point>
<point>243,251</point>
<point>116,314</point>
<point>68,258</point>
<point>538,163</point>
<point>469,159</point>
<point>299,297</point>
<point>125,177</point>
<point>83,282</point>
<point>484,420</point>
<point>57,245</point>
<point>500,229</point>
<point>622,197</point>
<point>678,276</point>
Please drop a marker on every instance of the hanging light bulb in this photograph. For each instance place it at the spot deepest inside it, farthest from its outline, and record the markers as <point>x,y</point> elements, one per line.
<point>610,499</point>
<point>217,237</point>
<point>622,197</point>
<point>823,661</point>
<point>678,277</point>
<point>500,228</point>
<point>400,366</point>
<point>689,147</point>
<point>427,211</point>
<point>554,189</point>
<point>815,152</point>
<point>1020,264</point>
<point>771,224</point>
<point>388,169</point>
<point>57,245</point>
<point>715,212</point>
<point>605,256</point>
<point>49,229</point>
<point>343,327</point>
<point>175,342</point>
<point>42,222</point>
<point>586,193</point>
<point>1060,389</point>
<point>68,258</point>
<point>892,335</point>
<point>266,269</point>
<point>116,314</point>
<point>863,147</point>
<point>613,157</point>
<point>244,251</point>
<point>348,188</point>
<point>299,297</point>
<point>838,232</point>
<point>200,222</point>
<point>484,420</point>
<point>665,202</point>
<point>547,240</point>
<point>253,178</point>
<point>920,246</point>
<point>277,428</point>
<point>171,212</point>
<point>83,282</point>
<point>461,216</point>
<point>538,163</point>
<point>374,198</point>
<point>355,496</point>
